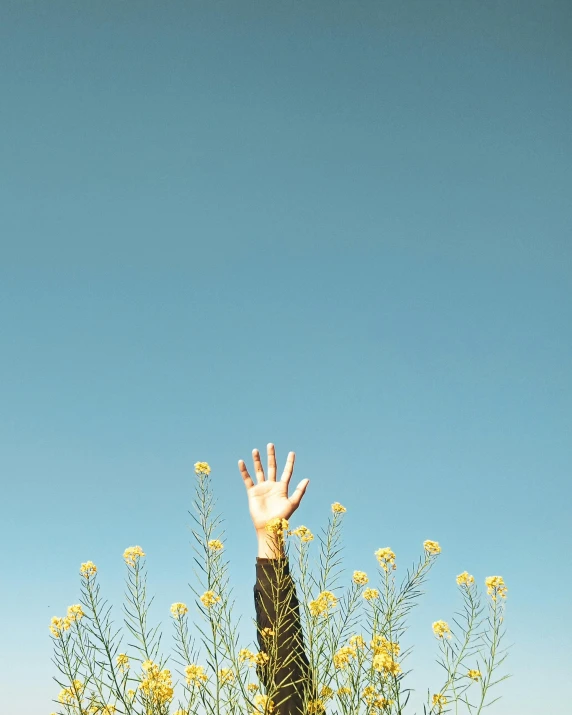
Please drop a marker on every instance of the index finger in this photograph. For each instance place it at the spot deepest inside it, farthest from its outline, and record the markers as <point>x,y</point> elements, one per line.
<point>248,483</point>
<point>289,468</point>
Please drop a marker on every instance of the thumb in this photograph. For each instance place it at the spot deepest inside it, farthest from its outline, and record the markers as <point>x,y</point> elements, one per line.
<point>299,492</point>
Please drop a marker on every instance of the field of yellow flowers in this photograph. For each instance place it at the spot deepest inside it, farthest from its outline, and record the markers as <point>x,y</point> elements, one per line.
<point>352,628</point>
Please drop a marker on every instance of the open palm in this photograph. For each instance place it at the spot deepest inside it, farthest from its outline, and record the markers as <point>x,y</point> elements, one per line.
<point>269,498</point>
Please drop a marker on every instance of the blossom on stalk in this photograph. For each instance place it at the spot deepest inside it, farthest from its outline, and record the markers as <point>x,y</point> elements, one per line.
<point>59,625</point>
<point>360,577</point>
<point>496,587</point>
<point>323,603</point>
<point>75,612</point>
<point>209,598</point>
<point>343,655</point>
<point>474,674</point>
<point>88,569</point>
<point>439,700</point>
<point>215,545</point>
<point>202,468</point>
<point>465,579</point>
<point>370,594</point>
<point>263,704</point>
<point>178,610</point>
<point>132,554</point>
<point>195,674</point>
<point>386,558</point>
<point>441,629</point>
<point>277,526</point>
<point>432,547</point>
<point>157,684</point>
<point>303,533</point>
<point>123,662</point>
<point>337,508</point>
<point>385,663</point>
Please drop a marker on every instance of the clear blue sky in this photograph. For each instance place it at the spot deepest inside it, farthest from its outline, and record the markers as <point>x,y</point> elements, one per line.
<point>343,227</point>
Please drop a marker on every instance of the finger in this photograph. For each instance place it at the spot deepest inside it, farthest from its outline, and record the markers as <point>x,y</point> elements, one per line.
<point>248,483</point>
<point>299,492</point>
<point>289,468</point>
<point>271,462</point>
<point>258,466</point>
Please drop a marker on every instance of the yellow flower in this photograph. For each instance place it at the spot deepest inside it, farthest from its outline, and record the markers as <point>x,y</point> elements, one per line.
<point>202,468</point>
<point>432,547</point>
<point>195,674</point>
<point>439,700</point>
<point>123,661</point>
<point>474,674</point>
<point>344,691</point>
<point>337,508</point>
<point>385,663</point>
<point>157,685</point>
<point>264,703</point>
<point>131,694</point>
<point>360,577</point>
<point>326,692</point>
<point>215,545</point>
<point>386,558</point>
<point>59,625</point>
<point>69,696</point>
<point>277,526</point>
<point>343,655</point>
<point>226,675</point>
<point>370,593</point>
<point>323,603</point>
<point>245,654</point>
<point>357,641</point>
<point>267,632</point>
<point>303,533</point>
<point>316,706</point>
<point>75,613</point>
<point>178,610</point>
<point>380,644</point>
<point>88,569</point>
<point>209,598</point>
<point>109,710</point>
<point>132,554</point>
<point>465,579</point>
<point>441,629</point>
<point>496,587</point>
<point>261,658</point>
<point>252,687</point>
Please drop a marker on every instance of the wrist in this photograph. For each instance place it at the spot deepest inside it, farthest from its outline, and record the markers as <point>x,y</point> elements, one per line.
<point>269,545</point>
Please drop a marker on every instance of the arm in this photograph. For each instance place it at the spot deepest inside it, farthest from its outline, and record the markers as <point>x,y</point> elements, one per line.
<point>277,608</point>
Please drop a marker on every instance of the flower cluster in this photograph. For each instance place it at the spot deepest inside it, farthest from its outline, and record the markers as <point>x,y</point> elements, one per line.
<point>259,658</point>
<point>215,545</point>
<point>303,533</point>
<point>360,577</point>
<point>441,629</point>
<point>474,674</point>
<point>277,526</point>
<point>132,554</point>
<point>432,547</point>
<point>370,594</point>
<point>343,655</point>
<point>202,468</point>
<point>178,610</point>
<point>465,579</point>
<point>88,569</point>
<point>386,558</point>
<point>209,598</point>
<point>337,508</point>
<point>195,674</point>
<point>123,662</point>
<point>156,684</point>
<point>323,603</point>
<point>68,696</point>
<point>375,700</point>
<point>263,704</point>
<point>496,587</point>
<point>439,701</point>
<point>384,651</point>
<point>380,644</point>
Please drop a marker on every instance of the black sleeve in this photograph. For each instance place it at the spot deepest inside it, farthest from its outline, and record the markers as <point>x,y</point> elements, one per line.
<point>277,609</point>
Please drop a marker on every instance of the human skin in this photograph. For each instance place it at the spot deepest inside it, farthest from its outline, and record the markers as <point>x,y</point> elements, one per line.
<point>268,498</point>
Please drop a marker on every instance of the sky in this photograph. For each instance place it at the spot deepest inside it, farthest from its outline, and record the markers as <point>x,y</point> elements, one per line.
<point>340,227</point>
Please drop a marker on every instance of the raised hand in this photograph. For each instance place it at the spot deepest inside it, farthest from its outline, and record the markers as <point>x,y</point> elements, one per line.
<point>269,498</point>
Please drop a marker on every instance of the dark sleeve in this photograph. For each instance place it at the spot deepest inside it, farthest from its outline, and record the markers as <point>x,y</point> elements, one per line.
<point>277,609</point>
